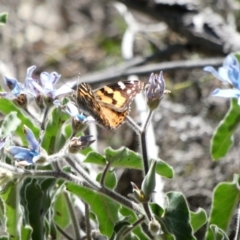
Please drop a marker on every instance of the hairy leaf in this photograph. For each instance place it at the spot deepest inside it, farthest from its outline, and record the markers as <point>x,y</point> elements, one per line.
<point>222,139</point>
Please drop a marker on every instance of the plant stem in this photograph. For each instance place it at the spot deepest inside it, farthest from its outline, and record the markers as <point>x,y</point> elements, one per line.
<point>117,197</point>
<point>139,221</point>
<point>133,125</point>
<point>104,173</point>
<point>87,222</point>
<point>63,233</point>
<point>141,132</point>
<point>73,215</point>
<point>19,172</point>
<point>32,116</point>
<point>143,142</point>
<point>237,234</point>
<point>147,211</point>
<point>45,113</point>
<point>82,172</point>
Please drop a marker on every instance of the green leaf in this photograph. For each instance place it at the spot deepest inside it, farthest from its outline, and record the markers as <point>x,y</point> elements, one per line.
<point>10,124</point>
<point>125,212</point>
<point>53,232</point>
<point>96,158</point>
<point>105,209</point>
<point>125,158</point>
<point>176,219</point>
<point>198,219</point>
<point>163,169</point>
<point>121,227</point>
<point>34,198</point>
<point>110,180</point>
<point>61,212</point>
<point>53,131</point>
<point>149,181</point>
<point>218,233</point>
<point>38,203</point>
<point>222,139</point>
<point>226,196</point>
<point>157,210</point>
<point>10,198</point>
<point>6,107</point>
<point>26,232</point>
<point>4,238</point>
<point>237,55</point>
<point>3,18</point>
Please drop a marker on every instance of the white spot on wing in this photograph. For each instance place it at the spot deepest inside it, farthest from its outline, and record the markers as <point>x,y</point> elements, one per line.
<point>129,91</point>
<point>122,85</point>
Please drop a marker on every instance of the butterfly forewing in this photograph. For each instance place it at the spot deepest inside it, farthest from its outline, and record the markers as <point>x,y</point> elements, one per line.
<point>118,96</point>
<point>108,105</point>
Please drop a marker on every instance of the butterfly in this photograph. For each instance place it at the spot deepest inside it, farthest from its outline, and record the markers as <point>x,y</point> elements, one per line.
<point>109,105</point>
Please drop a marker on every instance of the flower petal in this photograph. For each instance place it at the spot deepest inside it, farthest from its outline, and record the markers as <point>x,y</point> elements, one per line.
<point>10,82</point>
<point>226,93</point>
<point>46,82</point>
<point>34,144</point>
<point>54,77</point>
<point>71,109</point>
<point>63,90</point>
<point>35,88</point>
<point>216,74</point>
<point>21,153</point>
<point>29,74</point>
<point>234,71</point>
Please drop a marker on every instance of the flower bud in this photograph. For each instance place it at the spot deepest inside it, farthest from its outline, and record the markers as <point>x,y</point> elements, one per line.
<point>21,100</point>
<point>138,194</point>
<point>155,90</point>
<point>149,182</point>
<point>79,123</point>
<point>76,144</point>
<point>154,227</point>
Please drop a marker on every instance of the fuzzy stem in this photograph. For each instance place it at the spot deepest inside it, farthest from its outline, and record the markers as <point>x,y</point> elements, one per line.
<point>237,234</point>
<point>73,215</point>
<point>147,211</point>
<point>32,116</point>
<point>149,116</point>
<point>87,222</point>
<point>63,233</point>
<point>82,172</point>
<point>104,173</point>
<point>45,113</point>
<point>143,142</point>
<point>139,221</point>
<point>141,132</point>
<point>144,152</point>
<point>117,197</point>
<point>19,172</point>
<point>133,125</point>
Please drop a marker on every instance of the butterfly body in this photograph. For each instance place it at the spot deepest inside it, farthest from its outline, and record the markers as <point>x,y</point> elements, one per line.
<point>109,105</point>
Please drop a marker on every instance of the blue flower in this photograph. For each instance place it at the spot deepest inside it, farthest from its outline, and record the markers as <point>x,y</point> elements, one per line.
<point>45,87</point>
<point>228,73</point>
<point>79,121</point>
<point>18,92</point>
<point>28,156</point>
